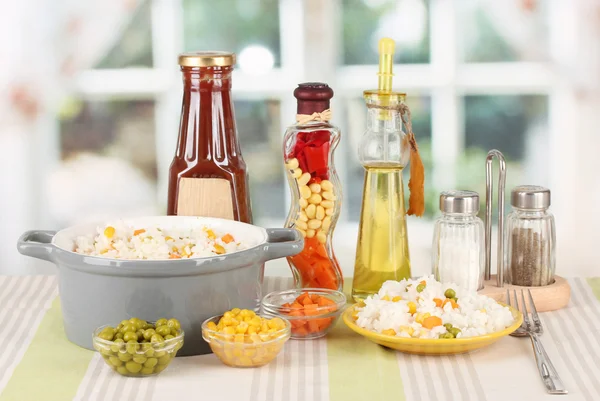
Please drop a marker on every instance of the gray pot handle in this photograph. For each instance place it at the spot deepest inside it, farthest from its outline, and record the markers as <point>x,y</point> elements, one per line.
<point>283,242</point>
<point>37,244</point>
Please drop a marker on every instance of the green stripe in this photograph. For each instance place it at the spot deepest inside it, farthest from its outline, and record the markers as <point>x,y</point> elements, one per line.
<point>52,367</point>
<point>594,282</point>
<point>360,369</point>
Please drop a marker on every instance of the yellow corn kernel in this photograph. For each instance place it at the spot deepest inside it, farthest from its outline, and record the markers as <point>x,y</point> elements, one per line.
<point>292,164</point>
<point>251,330</point>
<point>315,188</point>
<point>264,328</point>
<point>255,338</point>
<point>385,298</point>
<point>301,224</point>
<point>226,320</point>
<point>328,195</point>
<point>239,338</point>
<point>310,233</point>
<point>102,252</point>
<point>168,238</point>
<point>211,326</point>
<point>303,203</point>
<point>245,361</point>
<point>237,352</point>
<point>305,192</point>
<point>228,330</point>
<point>304,179</point>
<point>229,315</point>
<point>419,317</point>
<point>109,232</point>
<point>250,352</point>
<point>276,323</point>
<point>256,321</point>
<point>315,199</point>
<point>412,307</point>
<point>397,298</point>
<point>311,211</point>
<point>314,224</point>
<point>219,250</point>
<point>264,336</point>
<point>211,234</point>
<point>321,237</point>
<point>242,328</point>
<point>389,332</point>
<point>326,185</point>
<point>248,313</point>
<point>407,329</point>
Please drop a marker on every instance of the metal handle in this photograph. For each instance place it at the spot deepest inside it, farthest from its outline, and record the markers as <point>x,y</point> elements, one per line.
<point>489,191</point>
<point>283,242</point>
<point>37,244</point>
<point>548,373</point>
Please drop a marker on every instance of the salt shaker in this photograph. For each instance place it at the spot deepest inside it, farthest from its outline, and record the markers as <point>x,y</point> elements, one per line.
<point>458,241</point>
<point>530,236</point>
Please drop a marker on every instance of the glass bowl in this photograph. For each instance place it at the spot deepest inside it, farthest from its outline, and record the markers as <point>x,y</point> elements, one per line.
<point>307,323</point>
<point>135,359</point>
<point>245,350</point>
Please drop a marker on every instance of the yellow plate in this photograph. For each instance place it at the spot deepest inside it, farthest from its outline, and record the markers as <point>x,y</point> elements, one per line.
<point>430,346</point>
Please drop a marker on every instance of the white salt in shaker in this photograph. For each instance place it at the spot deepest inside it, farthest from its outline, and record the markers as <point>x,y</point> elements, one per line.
<point>458,241</point>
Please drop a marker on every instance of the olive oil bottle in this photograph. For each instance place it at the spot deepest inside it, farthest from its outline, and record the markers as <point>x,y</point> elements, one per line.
<point>382,246</point>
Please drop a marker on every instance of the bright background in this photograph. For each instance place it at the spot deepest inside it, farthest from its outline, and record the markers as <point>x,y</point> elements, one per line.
<point>90,98</point>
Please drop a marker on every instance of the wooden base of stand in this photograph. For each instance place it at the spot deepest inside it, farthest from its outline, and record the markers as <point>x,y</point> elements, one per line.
<point>547,298</point>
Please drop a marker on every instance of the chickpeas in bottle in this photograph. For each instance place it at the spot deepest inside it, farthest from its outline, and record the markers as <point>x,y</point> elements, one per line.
<point>315,187</point>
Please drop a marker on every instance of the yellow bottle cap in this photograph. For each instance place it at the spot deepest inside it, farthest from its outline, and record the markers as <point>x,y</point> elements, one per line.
<point>386,61</point>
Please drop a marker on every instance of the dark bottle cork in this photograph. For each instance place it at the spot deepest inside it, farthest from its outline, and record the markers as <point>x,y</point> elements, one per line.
<point>313,97</point>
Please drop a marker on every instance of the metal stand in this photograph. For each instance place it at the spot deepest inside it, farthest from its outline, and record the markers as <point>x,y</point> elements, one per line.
<point>488,216</point>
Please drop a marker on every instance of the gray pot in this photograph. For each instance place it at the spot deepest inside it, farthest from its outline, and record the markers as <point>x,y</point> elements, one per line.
<point>96,291</point>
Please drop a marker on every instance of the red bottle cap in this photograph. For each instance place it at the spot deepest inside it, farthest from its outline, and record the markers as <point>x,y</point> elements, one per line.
<point>313,97</point>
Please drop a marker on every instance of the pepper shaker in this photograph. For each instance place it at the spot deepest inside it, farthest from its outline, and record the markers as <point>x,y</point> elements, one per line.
<point>458,241</point>
<point>530,237</point>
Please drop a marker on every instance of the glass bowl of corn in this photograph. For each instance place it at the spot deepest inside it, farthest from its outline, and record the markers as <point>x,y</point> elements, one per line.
<point>240,338</point>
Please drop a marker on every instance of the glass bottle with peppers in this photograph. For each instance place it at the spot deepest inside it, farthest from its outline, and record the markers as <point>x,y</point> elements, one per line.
<point>208,174</point>
<point>315,187</point>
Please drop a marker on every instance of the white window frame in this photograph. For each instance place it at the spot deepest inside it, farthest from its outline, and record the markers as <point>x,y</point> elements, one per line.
<point>446,79</point>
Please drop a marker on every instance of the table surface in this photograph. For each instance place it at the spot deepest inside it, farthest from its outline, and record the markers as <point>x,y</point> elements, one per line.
<point>38,363</point>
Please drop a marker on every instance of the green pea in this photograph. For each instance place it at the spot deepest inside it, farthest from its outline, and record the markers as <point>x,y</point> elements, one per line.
<point>448,326</point>
<point>175,333</point>
<point>133,367</point>
<point>159,354</point>
<point>125,357</point>
<point>117,344</point>
<point>128,327</point>
<point>163,360</point>
<point>122,370</point>
<point>163,330</point>
<point>105,336</point>
<point>119,336</point>
<point>116,362</point>
<point>420,287</point>
<point>157,338</point>
<point>149,352</point>
<point>454,331</point>
<point>149,333</point>
<point>161,322</point>
<point>130,336</point>
<point>139,358</point>
<point>140,334</point>
<point>150,362</point>
<point>168,337</point>
<point>147,371</point>
<point>147,326</point>
<point>124,323</point>
<point>450,293</point>
<point>179,345</point>
<point>105,351</point>
<point>132,347</point>
<point>159,368</point>
<point>174,324</point>
<point>118,327</point>
<point>446,335</point>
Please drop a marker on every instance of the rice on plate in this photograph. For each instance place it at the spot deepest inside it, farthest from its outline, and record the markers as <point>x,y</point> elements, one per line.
<point>426,308</point>
<point>121,241</point>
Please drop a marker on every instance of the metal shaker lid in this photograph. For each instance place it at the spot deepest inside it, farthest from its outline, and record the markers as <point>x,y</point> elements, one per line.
<point>530,197</point>
<point>459,202</point>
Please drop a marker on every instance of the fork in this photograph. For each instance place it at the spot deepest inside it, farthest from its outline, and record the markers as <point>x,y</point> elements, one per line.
<point>533,329</point>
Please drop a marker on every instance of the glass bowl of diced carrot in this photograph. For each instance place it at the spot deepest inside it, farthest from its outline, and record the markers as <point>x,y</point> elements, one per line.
<point>312,312</point>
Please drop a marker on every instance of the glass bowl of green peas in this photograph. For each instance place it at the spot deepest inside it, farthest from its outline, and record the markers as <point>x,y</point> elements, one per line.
<point>137,348</point>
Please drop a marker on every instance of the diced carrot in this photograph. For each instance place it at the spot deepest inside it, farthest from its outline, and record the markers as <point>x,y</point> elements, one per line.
<point>138,232</point>
<point>451,302</point>
<point>307,301</point>
<point>323,301</point>
<point>174,256</point>
<point>286,305</point>
<point>227,238</point>
<point>313,327</point>
<point>296,305</point>
<point>431,322</point>
<point>300,331</point>
<point>324,322</point>
<point>314,298</point>
<point>423,282</point>
<point>311,310</point>
<point>321,251</point>
<point>438,302</point>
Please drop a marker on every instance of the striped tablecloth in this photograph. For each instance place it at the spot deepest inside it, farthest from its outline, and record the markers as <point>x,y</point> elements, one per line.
<point>38,363</point>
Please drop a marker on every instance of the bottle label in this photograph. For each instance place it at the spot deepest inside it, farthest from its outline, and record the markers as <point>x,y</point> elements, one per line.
<point>208,197</point>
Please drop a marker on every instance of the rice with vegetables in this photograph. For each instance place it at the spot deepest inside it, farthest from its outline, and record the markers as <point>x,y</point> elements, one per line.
<point>426,308</point>
<point>121,241</point>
